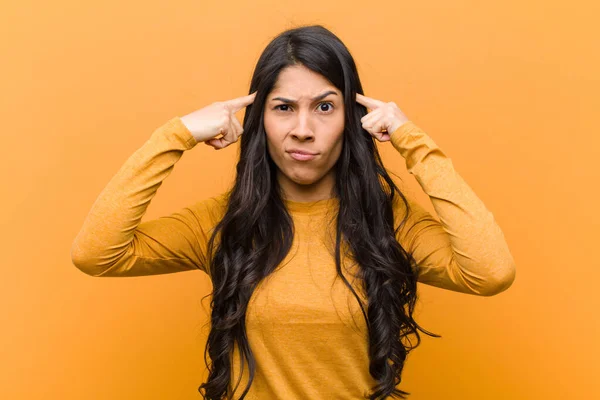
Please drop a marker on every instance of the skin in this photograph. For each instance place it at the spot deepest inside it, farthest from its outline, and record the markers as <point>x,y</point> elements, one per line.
<point>314,125</point>
<point>305,111</point>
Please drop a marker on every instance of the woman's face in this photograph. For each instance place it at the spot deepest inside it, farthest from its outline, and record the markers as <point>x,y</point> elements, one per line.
<point>304,112</point>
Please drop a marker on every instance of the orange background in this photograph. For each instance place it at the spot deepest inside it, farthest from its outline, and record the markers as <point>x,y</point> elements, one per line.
<point>509,90</point>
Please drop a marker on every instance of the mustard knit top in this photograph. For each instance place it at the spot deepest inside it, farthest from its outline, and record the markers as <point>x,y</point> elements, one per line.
<point>304,326</point>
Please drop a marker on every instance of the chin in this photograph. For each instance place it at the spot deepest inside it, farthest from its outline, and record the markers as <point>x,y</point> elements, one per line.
<point>303,179</point>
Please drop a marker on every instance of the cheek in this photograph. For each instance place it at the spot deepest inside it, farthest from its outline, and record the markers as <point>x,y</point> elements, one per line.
<point>275,151</point>
<point>336,150</point>
<point>337,143</point>
<point>274,129</point>
<point>272,149</point>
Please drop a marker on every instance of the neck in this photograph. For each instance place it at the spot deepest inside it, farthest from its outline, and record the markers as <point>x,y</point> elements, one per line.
<point>320,190</point>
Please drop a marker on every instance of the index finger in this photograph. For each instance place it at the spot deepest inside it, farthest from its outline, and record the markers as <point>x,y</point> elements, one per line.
<point>241,102</point>
<point>368,102</point>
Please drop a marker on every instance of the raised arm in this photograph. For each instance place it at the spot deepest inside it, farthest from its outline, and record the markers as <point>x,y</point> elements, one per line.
<point>112,242</point>
<point>466,251</point>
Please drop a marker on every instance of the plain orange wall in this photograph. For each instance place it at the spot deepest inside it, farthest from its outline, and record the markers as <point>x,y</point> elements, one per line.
<point>509,90</point>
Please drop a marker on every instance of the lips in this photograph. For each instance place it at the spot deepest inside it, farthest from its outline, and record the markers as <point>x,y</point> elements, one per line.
<point>299,151</point>
<point>301,155</point>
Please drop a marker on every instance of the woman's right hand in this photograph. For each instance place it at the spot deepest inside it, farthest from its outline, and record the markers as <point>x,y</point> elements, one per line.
<point>218,119</point>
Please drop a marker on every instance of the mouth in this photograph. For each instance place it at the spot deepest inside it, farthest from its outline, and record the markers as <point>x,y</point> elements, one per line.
<point>301,155</point>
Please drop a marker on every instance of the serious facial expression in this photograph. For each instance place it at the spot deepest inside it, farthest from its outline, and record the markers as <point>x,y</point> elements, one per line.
<point>304,123</point>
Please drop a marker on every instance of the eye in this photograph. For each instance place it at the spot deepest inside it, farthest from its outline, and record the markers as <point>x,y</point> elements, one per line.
<point>328,107</point>
<point>281,105</point>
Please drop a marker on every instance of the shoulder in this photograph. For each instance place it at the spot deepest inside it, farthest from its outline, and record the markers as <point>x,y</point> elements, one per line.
<point>406,206</point>
<point>409,216</point>
<point>211,210</point>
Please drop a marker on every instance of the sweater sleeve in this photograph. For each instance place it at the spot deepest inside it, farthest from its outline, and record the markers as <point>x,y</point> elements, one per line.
<point>113,242</point>
<point>466,251</point>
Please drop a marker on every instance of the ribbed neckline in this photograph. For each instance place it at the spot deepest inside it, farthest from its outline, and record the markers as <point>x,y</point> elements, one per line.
<point>311,207</point>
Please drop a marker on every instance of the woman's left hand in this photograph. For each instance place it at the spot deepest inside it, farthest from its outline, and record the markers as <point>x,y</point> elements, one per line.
<point>384,118</point>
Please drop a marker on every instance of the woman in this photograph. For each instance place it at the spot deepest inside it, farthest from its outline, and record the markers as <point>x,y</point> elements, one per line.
<point>314,254</point>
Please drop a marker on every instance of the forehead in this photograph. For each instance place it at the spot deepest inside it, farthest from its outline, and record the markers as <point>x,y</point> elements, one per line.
<point>297,81</point>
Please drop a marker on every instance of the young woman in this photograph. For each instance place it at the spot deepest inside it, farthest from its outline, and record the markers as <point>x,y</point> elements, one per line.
<point>314,254</point>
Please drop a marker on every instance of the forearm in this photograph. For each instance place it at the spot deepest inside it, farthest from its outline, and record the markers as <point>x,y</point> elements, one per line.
<point>480,260</point>
<point>109,227</point>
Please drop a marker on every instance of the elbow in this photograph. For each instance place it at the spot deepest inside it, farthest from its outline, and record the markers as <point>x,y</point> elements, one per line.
<point>499,285</point>
<point>82,262</point>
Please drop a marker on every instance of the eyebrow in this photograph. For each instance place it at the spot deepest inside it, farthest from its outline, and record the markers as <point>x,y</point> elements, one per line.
<point>316,98</point>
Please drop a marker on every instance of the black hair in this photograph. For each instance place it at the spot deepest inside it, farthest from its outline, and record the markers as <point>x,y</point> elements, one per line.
<point>256,232</point>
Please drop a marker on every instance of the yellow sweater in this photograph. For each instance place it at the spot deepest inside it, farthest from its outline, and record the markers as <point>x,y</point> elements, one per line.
<point>304,326</point>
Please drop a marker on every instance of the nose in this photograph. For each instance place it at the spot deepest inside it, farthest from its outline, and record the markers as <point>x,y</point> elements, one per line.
<point>303,130</point>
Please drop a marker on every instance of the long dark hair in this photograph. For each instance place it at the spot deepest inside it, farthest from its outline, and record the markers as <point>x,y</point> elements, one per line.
<point>256,231</point>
